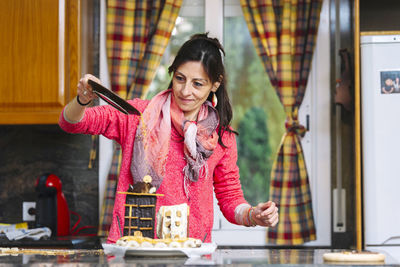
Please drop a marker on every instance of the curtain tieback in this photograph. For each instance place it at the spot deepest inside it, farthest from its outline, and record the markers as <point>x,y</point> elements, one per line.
<point>295,127</point>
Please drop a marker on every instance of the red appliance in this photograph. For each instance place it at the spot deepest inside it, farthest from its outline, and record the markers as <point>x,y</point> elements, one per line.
<point>51,206</point>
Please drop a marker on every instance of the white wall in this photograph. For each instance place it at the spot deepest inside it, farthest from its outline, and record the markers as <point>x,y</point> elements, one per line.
<point>105,145</point>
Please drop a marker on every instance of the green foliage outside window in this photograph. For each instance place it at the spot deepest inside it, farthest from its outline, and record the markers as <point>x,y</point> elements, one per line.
<point>258,114</point>
<point>254,155</point>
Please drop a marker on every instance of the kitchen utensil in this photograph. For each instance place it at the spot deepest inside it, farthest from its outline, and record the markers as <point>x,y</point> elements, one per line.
<point>51,206</point>
<point>113,99</point>
<point>119,226</point>
<point>204,238</point>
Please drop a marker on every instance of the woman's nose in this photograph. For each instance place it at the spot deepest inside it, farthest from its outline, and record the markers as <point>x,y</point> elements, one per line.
<point>186,89</point>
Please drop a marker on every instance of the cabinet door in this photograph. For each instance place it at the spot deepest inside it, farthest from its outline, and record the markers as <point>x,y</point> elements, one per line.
<point>39,59</point>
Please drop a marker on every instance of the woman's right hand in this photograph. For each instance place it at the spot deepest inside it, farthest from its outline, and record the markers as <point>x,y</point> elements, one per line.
<point>75,109</point>
<point>84,90</point>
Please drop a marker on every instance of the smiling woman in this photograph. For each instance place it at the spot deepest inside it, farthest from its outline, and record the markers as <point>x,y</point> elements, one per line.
<point>180,139</point>
<point>196,73</point>
<point>258,115</point>
<point>252,98</point>
<point>191,88</point>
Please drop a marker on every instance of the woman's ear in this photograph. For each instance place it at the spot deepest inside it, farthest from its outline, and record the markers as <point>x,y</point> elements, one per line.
<point>215,87</point>
<point>217,84</point>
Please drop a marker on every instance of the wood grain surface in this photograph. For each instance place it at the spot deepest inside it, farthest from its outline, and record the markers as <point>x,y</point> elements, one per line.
<point>40,56</point>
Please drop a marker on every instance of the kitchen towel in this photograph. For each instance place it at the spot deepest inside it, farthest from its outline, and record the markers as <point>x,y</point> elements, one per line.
<point>35,234</point>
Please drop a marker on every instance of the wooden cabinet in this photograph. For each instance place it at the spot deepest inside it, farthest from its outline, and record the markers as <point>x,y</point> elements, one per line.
<point>39,59</point>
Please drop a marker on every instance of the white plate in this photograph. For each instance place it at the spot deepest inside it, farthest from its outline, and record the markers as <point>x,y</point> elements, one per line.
<point>206,248</point>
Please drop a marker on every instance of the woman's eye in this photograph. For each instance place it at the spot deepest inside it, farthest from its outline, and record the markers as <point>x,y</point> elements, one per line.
<point>197,84</point>
<point>179,78</point>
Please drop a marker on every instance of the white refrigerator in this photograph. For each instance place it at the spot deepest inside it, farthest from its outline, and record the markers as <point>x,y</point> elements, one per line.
<point>380,101</point>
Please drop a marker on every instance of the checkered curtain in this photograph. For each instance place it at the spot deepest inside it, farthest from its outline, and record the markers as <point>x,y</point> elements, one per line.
<point>284,34</point>
<point>110,191</point>
<point>138,32</point>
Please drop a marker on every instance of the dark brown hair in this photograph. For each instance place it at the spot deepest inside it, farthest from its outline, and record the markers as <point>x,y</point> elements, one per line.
<point>209,52</point>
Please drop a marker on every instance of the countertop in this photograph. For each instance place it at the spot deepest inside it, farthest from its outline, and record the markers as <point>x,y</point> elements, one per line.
<point>237,257</point>
<point>75,242</point>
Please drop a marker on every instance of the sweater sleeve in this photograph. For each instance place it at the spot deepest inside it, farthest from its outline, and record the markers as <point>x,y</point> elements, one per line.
<point>227,187</point>
<point>101,120</point>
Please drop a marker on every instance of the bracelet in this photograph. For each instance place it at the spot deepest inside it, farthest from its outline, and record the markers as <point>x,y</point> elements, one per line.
<point>251,221</point>
<point>248,218</point>
<point>80,103</point>
<point>244,217</point>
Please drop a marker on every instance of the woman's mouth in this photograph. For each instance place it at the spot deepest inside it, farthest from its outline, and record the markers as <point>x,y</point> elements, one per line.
<point>186,101</point>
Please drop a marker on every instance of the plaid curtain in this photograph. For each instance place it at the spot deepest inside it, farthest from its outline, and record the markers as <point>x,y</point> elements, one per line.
<point>284,34</point>
<point>110,191</point>
<point>138,32</point>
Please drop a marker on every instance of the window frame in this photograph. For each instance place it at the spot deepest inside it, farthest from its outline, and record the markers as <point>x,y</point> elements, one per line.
<point>313,112</point>
<point>316,143</point>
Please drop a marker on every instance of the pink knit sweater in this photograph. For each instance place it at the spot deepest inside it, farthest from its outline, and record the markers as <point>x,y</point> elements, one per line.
<point>223,172</point>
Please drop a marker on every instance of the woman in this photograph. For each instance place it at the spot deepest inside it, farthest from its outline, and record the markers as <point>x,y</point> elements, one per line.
<point>183,140</point>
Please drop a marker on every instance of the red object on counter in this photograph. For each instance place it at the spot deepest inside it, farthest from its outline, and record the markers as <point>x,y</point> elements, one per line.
<point>52,208</point>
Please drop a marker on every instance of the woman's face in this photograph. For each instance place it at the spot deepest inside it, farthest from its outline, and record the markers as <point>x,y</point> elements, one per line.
<point>191,87</point>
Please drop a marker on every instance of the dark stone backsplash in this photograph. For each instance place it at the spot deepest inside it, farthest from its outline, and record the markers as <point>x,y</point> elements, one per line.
<point>29,151</point>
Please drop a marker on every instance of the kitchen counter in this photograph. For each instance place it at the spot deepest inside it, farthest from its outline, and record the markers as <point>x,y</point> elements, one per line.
<point>238,257</point>
<point>72,242</point>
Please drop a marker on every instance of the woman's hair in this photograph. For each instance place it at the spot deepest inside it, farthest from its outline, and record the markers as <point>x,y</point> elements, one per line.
<point>209,52</point>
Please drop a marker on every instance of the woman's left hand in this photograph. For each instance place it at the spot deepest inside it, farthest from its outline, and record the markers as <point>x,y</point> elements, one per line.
<point>265,214</point>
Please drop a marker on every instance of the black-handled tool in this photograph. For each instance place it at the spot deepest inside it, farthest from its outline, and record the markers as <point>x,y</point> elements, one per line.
<point>113,99</point>
<point>119,226</point>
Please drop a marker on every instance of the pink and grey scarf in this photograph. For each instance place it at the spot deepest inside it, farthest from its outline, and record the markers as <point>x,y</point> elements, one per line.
<point>153,135</point>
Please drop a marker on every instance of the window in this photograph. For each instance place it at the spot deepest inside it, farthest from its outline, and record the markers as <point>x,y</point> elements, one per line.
<point>258,114</point>
<point>189,21</point>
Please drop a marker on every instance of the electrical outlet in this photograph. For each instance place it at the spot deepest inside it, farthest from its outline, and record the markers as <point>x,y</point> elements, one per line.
<point>25,211</point>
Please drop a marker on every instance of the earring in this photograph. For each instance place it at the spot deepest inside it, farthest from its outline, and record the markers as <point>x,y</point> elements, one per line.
<point>214,100</point>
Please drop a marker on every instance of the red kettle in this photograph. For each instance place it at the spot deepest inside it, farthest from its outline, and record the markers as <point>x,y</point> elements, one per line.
<point>51,206</point>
